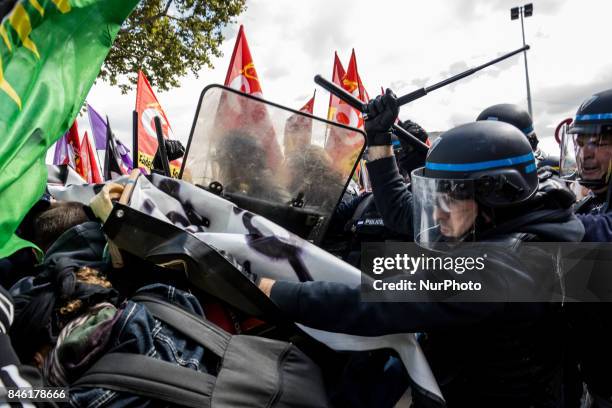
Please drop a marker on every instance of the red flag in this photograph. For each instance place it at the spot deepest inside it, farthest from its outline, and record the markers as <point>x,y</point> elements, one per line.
<point>73,140</point>
<point>352,83</point>
<point>309,107</point>
<point>241,75</point>
<point>344,148</point>
<point>298,128</point>
<point>337,74</point>
<point>89,161</point>
<point>148,108</point>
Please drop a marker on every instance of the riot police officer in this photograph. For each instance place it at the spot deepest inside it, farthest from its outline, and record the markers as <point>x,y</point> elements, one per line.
<point>521,119</point>
<point>590,139</point>
<point>479,183</point>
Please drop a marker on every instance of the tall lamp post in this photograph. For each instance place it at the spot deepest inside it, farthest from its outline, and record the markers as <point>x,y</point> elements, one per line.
<point>524,12</point>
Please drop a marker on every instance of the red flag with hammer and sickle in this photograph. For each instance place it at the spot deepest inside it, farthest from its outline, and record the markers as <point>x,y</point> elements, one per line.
<point>342,147</point>
<point>253,116</point>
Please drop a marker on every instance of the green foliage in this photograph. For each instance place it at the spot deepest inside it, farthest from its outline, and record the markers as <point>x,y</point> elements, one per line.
<point>166,39</point>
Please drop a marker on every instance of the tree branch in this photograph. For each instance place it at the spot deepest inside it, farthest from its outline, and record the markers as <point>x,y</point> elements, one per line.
<point>164,13</point>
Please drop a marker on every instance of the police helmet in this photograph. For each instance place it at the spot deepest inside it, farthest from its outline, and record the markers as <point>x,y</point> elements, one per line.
<point>592,128</point>
<point>514,115</point>
<point>469,170</point>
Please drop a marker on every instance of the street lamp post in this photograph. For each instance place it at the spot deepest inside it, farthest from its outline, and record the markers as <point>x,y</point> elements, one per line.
<point>524,11</point>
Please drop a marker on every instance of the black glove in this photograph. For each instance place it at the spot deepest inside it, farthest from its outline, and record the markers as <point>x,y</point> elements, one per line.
<point>382,112</point>
<point>411,158</point>
<point>6,310</point>
<point>174,150</point>
<point>554,190</point>
<point>415,130</point>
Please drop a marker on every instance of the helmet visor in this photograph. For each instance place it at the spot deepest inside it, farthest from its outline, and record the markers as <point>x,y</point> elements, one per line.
<point>444,210</point>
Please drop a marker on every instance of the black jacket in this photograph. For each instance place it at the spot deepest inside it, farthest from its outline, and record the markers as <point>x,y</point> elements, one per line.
<point>357,222</point>
<point>482,354</point>
<point>591,323</point>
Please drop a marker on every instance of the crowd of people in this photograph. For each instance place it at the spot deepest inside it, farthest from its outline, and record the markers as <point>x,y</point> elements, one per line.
<point>484,181</point>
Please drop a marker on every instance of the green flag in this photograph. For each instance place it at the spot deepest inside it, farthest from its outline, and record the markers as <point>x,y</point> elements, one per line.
<point>50,54</point>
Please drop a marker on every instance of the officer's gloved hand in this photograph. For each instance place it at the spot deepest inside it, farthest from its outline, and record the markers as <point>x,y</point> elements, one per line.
<point>382,113</point>
<point>415,130</point>
<point>557,191</point>
<point>6,310</point>
<point>412,158</point>
<point>174,150</point>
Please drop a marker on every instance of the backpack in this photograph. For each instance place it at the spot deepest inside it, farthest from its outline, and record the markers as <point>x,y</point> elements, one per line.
<point>253,371</point>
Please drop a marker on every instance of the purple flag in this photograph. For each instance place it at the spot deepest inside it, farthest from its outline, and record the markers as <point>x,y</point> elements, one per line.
<point>63,152</point>
<point>124,152</point>
<point>98,128</point>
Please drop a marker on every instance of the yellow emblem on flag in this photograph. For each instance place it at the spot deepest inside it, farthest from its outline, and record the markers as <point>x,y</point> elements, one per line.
<point>20,20</point>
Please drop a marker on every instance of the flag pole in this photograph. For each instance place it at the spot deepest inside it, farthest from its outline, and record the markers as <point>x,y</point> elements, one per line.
<point>162,147</point>
<point>135,139</point>
<point>106,171</point>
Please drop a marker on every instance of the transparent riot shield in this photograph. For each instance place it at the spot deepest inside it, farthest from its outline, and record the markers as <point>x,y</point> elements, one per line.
<point>285,165</point>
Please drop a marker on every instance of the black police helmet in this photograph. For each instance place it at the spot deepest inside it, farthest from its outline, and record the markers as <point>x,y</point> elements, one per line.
<point>594,116</point>
<point>514,115</point>
<point>494,155</point>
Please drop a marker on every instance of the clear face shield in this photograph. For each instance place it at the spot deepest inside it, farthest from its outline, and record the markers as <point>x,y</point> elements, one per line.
<point>263,151</point>
<point>444,210</point>
<point>586,154</point>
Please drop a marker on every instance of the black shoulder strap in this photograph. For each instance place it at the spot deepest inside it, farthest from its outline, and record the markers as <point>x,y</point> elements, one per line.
<point>149,377</point>
<point>199,330</point>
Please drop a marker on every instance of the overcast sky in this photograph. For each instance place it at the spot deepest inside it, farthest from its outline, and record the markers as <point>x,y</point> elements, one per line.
<point>405,45</point>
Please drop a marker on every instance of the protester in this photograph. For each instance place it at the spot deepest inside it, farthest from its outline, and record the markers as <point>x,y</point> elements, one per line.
<point>13,374</point>
<point>243,169</point>
<point>312,175</point>
<point>174,150</point>
<point>479,353</point>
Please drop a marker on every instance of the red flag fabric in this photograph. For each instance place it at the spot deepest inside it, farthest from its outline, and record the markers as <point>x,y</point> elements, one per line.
<point>298,129</point>
<point>89,162</point>
<point>337,74</point>
<point>241,75</point>
<point>148,108</point>
<point>342,149</point>
<point>352,83</point>
<point>309,107</point>
<point>73,140</point>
